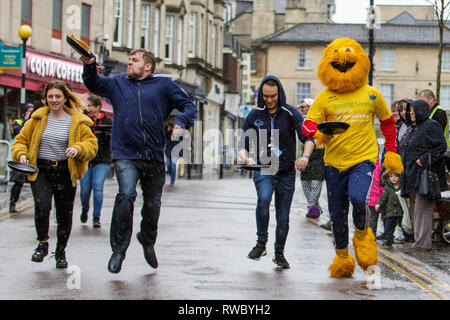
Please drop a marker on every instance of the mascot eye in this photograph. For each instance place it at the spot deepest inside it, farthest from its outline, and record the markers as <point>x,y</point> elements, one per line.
<point>348,50</point>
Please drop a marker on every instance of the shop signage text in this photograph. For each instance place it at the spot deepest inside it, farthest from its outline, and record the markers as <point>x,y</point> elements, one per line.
<point>49,67</point>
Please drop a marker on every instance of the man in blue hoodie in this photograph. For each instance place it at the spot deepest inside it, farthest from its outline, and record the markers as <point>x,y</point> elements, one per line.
<point>269,138</point>
<point>141,105</point>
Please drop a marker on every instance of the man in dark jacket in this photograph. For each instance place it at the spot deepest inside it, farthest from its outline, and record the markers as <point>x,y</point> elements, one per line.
<point>424,142</point>
<point>141,105</point>
<point>269,138</point>
<point>436,112</point>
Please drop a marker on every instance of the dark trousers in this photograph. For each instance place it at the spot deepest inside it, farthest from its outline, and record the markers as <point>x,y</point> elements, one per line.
<point>15,192</point>
<point>53,182</point>
<point>152,177</point>
<point>344,187</point>
<point>389,227</point>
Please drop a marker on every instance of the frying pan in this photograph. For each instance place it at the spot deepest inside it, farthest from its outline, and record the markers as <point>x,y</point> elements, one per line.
<point>254,166</point>
<point>79,46</point>
<point>333,127</point>
<point>22,167</point>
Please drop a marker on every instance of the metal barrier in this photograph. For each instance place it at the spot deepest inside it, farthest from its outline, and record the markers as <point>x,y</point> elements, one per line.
<point>4,157</point>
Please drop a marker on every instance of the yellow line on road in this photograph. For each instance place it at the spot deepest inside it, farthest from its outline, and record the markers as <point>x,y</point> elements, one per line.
<point>28,204</point>
<point>415,279</point>
<point>412,267</point>
<point>408,274</point>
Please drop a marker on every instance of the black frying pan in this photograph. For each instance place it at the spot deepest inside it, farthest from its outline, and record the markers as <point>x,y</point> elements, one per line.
<point>22,167</point>
<point>333,127</point>
<point>79,46</point>
<point>254,166</point>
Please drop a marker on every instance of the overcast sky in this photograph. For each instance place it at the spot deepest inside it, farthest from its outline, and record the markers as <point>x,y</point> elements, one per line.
<point>354,11</point>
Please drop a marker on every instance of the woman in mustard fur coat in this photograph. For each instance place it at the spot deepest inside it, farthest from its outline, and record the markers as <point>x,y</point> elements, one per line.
<point>57,139</point>
<point>350,157</point>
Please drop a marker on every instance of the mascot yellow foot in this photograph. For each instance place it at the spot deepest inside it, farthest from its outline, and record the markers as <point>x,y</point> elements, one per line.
<point>365,247</point>
<point>343,264</point>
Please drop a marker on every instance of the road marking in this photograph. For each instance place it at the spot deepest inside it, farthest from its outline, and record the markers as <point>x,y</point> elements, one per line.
<point>412,277</point>
<point>25,205</point>
<point>414,268</point>
<point>405,264</point>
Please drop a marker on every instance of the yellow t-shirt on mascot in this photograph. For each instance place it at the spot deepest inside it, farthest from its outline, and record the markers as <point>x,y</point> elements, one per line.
<point>357,108</point>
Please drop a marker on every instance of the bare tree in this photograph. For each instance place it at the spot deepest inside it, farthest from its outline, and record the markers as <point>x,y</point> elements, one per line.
<point>440,7</point>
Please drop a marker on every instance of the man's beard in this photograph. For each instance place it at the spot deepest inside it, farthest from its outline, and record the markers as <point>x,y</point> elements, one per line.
<point>134,74</point>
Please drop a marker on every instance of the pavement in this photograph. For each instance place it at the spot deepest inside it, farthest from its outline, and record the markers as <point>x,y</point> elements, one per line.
<point>206,229</point>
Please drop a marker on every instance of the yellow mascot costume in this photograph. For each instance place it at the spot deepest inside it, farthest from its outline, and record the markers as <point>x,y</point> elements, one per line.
<point>350,156</point>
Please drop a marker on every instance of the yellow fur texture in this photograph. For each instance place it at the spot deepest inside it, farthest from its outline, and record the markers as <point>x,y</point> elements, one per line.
<point>341,52</point>
<point>343,264</point>
<point>365,247</point>
<point>393,162</point>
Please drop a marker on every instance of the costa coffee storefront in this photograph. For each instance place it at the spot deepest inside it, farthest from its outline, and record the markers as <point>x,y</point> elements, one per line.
<point>41,69</point>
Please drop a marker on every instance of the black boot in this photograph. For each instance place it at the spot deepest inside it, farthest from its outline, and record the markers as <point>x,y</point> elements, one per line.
<point>84,215</point>
<point>60,257</point>
<point>12,207</point>
<point>40,252</point>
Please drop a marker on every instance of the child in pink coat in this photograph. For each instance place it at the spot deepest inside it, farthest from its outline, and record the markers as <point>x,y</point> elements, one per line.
<point>374,195</point>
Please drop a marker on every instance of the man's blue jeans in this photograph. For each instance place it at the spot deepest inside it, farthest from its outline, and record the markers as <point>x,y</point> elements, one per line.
<point>344,186</point>
<point>152,176</point>
<point>94,179</point>
<point>284,187</point>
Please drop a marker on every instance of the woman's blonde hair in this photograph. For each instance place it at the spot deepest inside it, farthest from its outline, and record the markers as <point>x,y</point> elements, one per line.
<point>73,101</point>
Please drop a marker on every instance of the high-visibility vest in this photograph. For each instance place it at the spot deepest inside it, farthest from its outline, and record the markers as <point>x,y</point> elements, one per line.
<point>446,126</point>
<point>20,122</point>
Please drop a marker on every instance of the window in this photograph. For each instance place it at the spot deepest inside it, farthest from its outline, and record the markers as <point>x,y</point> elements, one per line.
<point>208,42</point>
<point>387,90</point>
<point>156,33</point>
<point>118,11</point>
<point>304,58</point>
<point>191,34</point>
<point>145,20</point>
<point>446,60</point>
<point>180,42</point>
<point>303,92</point>
<point>253,63</point>
<point>130,23</point>
<point>56,20</point>
<point>445,97</point>
<point>169,39</point>
<point>85,22</point>
<point>213,46</point>
<point>388,60</point>
<point>26,12</point>
<point>200,37</point>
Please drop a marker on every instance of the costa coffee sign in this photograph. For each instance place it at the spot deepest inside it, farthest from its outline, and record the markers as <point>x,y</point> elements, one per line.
<point>46,66</point>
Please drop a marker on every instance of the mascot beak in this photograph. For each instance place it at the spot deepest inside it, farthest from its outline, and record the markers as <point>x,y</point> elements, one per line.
<point>344,59</point>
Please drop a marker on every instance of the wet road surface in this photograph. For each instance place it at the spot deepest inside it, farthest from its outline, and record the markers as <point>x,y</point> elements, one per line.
<point>206,229</point>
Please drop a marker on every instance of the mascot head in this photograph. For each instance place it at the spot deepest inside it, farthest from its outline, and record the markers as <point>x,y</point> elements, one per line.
<point>344,66</point>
